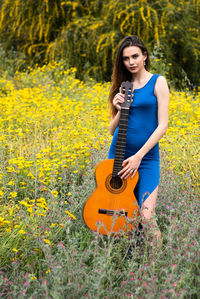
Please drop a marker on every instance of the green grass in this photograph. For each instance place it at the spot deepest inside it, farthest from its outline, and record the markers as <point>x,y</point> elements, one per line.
<point>78,263</point>
<point>53,133</point>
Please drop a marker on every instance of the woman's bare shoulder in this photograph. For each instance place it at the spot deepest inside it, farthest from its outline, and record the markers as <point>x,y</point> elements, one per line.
<point>161,85</point>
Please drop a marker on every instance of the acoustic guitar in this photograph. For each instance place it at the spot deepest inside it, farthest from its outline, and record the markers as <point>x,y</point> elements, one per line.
<point>112,207</point>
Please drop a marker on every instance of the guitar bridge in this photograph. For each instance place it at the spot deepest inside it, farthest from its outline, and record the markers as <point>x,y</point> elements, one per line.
<point>113,212</point>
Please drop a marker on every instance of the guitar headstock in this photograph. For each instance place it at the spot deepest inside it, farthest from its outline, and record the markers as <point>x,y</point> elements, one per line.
<point>127,90</point>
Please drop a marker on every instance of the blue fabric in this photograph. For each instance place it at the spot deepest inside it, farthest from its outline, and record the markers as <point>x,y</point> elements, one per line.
<point>143,120</point>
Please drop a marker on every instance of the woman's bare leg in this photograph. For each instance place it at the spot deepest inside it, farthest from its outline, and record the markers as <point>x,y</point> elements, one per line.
<point>147,214</point>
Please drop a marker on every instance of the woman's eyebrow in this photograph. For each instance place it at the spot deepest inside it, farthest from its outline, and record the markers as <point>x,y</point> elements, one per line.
<point>136,54</point>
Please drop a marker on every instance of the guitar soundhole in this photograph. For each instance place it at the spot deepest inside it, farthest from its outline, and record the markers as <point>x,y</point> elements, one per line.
<point>116,182</point>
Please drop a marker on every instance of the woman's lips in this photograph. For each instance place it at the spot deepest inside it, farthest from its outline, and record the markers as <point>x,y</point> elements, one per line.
<point>133,68</point>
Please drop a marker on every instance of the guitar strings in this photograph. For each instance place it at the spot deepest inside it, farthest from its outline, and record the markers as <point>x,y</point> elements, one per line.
<point>121,145</point>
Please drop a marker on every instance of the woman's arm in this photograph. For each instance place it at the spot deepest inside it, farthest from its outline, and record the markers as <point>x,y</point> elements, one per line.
<point>117,101</point>
<point>114,123</point>
<point>162,93</point>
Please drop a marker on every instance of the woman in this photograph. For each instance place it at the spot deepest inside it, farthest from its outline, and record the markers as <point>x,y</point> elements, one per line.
<point>148,122</point>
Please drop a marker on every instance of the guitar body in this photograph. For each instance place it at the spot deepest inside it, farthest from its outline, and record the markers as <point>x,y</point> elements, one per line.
<point>113,206</point>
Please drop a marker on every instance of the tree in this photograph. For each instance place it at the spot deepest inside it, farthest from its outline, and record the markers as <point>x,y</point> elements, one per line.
<point>86,33</point>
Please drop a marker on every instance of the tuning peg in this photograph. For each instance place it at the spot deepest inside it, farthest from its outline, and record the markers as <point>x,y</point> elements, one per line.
<point>132,95</point>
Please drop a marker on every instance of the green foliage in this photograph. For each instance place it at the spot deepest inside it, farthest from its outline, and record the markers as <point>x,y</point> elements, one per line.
<point>86,33</point>
<point>159,63</point>
<point>11,61</point>
<point>76,263</point>
<point>46,250</point>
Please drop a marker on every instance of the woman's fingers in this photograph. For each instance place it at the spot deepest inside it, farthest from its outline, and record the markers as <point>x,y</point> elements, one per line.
<point>118,99</point>
<point>125,172</point>
<point>130,167</point>
<point>124,162</point>
<point>134,172</point>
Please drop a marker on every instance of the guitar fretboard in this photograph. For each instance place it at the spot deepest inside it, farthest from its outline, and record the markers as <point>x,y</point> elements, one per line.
<point>121,141</point>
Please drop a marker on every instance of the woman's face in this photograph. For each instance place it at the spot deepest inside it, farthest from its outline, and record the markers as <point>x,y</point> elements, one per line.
<point>133,59</point>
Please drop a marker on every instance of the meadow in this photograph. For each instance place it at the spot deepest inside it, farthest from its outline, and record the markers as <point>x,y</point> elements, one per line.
<point>54,130</point>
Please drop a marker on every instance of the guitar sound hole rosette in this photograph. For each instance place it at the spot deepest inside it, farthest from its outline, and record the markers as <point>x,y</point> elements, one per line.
<point>120,185</point>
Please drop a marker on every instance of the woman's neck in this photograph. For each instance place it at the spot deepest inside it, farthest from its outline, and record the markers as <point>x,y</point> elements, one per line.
<point>141,76</point>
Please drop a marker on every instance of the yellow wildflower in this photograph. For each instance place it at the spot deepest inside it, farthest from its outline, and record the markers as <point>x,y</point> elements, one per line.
<point>70,214</point>
<point>11,183</point>
<point>21,232</point>
<point>46,241</point>
<point>54,193</point>
<point>53,224</point>
<point>33,277</point>
<point>13,194</point>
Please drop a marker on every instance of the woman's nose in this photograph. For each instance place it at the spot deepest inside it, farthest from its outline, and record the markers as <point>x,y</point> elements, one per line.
<point>131,61</point>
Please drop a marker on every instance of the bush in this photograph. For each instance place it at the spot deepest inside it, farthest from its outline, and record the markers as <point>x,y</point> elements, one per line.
<point>86,33</point>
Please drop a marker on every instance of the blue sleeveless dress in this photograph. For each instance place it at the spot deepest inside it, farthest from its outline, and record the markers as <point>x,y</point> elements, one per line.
<point>142,122</point>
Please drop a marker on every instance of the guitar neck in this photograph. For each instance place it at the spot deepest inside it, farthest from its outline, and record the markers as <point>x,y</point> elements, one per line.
<point>121,141</point>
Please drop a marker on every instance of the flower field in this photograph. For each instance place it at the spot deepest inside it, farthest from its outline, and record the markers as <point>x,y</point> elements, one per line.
<point>54,129</point>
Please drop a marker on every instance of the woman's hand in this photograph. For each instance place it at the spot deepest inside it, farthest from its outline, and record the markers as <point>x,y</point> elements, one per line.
<point>130,166</point>
<point>118,100</point>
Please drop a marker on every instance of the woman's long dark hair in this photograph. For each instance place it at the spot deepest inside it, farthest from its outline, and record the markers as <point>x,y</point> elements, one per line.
<point>120,73</point>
